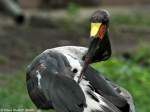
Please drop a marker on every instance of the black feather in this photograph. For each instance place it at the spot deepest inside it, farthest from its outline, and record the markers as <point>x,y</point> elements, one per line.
<point>67,96</point>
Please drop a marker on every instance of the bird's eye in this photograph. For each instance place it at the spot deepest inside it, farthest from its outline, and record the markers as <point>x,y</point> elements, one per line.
<point>74,70</point>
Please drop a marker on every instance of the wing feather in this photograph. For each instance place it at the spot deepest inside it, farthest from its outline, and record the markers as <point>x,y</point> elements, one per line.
<point>67,96</point>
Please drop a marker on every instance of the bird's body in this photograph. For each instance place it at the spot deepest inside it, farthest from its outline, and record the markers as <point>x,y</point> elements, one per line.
<point>62,78</point>
<point>94,102</point>
<point>74,54</point>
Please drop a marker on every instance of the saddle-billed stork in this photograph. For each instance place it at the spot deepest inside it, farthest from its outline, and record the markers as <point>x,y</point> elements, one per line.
<point>62,79</point>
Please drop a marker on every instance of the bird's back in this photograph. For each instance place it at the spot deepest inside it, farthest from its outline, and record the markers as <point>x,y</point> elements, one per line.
<point>52,82</point>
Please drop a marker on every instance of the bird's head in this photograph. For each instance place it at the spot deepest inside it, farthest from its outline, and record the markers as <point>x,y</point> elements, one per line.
<point>99,48</point>
<point>99,24</point>
<point>99,33</point>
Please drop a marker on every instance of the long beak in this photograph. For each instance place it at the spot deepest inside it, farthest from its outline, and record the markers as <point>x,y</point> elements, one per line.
<point>90,54</point>
<point>97,33</point>
<point>85,66</point>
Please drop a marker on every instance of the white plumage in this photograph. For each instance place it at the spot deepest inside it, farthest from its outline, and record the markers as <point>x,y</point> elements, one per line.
<point>74,55</point>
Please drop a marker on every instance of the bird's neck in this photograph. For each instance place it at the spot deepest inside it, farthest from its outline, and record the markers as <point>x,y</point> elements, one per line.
<point>106,33</point>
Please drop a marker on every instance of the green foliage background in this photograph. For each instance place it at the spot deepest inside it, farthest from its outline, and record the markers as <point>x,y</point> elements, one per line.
<point>126,73</point>
<point>131,76</point>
